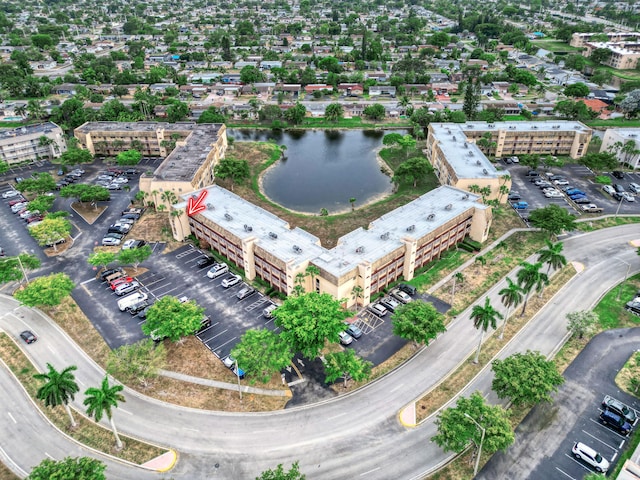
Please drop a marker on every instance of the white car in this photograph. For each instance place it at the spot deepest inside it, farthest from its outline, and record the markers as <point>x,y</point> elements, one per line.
<point>10,194</point>
<point>628,197</point>
<point>128,244</point>
<point>590,456</point>
<point>634,187</point>
<point>122,226</point>
<point>121,180</point>
<point>401,296</point>
<point>19,206</point>
<point>608,189</point>
<point>345,338</point>
<point>231,281</point>
<point>217,270</point>
<point>561,181</point>
<point>110,241</point>
<point>553,194</point>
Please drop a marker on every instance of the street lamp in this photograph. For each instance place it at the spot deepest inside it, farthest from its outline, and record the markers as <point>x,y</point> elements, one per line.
<point>625,278</point>
<point>475,469</point>
<point>619,204</point>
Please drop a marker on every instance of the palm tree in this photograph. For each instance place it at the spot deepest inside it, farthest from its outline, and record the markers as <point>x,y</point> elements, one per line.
<point>176,214</point>
<point>483,317</point>
<point>511,295</point>
<point>356,293</point>
<point>59,389</point>
<point>101,400</point>
<point>20,110</point>
<point>530,278</point>
<point>169,197</point>
<point>283,149</point>
<point>155,200</point>
<point>35,110</point>
<point>458,277</point>
<point>352,201</point>
<point>552,256</point>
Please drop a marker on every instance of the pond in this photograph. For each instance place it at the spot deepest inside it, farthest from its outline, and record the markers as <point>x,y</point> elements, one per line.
<point>323,168</point>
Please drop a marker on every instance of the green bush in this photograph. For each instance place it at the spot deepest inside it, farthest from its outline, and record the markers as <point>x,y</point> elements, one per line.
<point>603,179</point>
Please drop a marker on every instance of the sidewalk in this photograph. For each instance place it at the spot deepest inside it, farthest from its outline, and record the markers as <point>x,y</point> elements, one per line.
<point>225,385</point>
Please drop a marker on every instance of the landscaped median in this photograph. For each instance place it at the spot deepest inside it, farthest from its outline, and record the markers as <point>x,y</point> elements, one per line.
<point>87,432</point>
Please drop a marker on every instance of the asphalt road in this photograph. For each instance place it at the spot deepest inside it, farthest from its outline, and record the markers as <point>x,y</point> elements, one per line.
<point>353,436</point>
<point>546,435</point>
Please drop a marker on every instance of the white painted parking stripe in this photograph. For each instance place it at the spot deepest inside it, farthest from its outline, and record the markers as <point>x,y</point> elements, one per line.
<point>370,471</point>
<point>607,428</point>
<point>12,418</point>
<point>614,457</point>
<point>598,440</point>
<point>566,474</point>
<point>225,343</point>
<point>577,462</point>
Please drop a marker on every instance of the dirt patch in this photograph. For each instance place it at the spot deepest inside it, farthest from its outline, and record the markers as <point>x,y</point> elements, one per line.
<point>59,249</point>
<point>88,212</point>
<point>155,227</point>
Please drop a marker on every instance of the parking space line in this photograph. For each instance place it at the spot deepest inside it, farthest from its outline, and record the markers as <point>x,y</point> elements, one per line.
<point>608,429</point>
<point>566,474</point>
<point>597,439</point>
<point>225,343</point>
<point>576,461</point>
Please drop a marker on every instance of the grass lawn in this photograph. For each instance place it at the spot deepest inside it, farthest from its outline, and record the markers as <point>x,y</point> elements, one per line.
<point>555,46</point>
<point>614,122</point>
<point>611,308</point>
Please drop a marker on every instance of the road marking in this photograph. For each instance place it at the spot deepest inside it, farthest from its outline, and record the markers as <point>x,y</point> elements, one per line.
<point>621,444</point>
<point>225,343</point>
<point>337,416</point>
<point>370,471</point>
<point>565,473</point>
<point>597,439</point>
<point>576,461</point>
<point>193,429</point>
<point>87,290</point>
<point>614,457</point>
<point>11,417</point>
<point>398,387</point>
<point>51,349</point>
<point>49,456</point>
<point>125,411</point>
<point>87,281</point>
<point>9,460</point>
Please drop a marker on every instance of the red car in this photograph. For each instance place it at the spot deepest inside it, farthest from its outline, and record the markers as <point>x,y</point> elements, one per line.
<point>119,281</point>
<point>17,200</point>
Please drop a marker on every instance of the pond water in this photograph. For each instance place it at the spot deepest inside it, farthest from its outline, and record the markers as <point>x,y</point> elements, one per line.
<point>323,168</point>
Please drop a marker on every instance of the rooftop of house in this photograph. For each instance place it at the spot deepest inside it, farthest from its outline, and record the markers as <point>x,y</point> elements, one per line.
<point>38,128</point>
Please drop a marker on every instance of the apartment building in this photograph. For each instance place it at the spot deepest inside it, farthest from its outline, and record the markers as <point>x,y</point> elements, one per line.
<point>456,150</point>
<point>624,55</point>
<point>625,142</point>
<point>396,245</point>
<point>579,40</point>
<point>31,143</point>
<point>191,152</point>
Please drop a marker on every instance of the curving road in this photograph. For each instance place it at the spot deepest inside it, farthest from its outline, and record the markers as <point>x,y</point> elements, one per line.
<point>353,436</point>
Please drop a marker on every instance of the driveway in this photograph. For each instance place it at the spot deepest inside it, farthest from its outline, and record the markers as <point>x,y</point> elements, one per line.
<point>544,439</point>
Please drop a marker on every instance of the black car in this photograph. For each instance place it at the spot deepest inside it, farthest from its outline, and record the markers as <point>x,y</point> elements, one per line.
<point>110,271</point>
<point>137,308</point>
<point>615,421</point>
<point>533,173</point>
<point>131,171</point>
<point>143,313</point>
<point>131,216</point>
<point>581,200</point>
<point>28,336</point>
<point>205,262</point>
<point>617,196</point>
<point>514,197</point>
<point>408,289</point>
<point>618,174</point>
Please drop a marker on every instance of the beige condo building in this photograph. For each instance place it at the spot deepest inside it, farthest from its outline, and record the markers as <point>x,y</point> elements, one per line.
<point>31,143</point>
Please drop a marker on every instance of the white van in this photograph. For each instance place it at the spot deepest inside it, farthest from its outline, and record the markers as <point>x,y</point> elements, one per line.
<point>131,300</point>
<point>268,312</point>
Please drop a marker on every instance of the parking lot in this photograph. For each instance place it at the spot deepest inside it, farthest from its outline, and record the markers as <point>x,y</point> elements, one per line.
<point>578,177</point>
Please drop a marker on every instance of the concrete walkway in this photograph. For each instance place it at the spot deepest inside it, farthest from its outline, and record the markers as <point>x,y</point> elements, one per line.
<point>225,385</point>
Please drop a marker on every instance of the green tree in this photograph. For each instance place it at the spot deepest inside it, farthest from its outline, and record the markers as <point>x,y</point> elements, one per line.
<point>552,256</point>
<point>4,167</point>
<point>11,268</point>
<point>525,378</point>
<point>530,278</point>
<point>510,296</point>
<point>59,388</point>
<point>40,183</point>
<point>212,115</point>
<point>45,291</point>
<point>374,111</point>
<point>83,192</point>
<point>599,162</point>
<point>346,365</point>
<point>456,430</point>
<point>262,353</point>
<point>36,110</point>
<point>576,90</point>
<point>296,114</point>
<point>553,219</point>
<point>412,170</point>
<point>129,157</point>
<point>280,474</point>
<point>250,74</point>
<point>471,100</point>
<point>50,230</point>
<point>418,321</point>
<point>235,170</point>
<point>170,318</point>
<point>100,401</point>
<point>630,104</point>
<point>69,468</point>
<point>308,320</point>
<point>101,259</point>
<point>134,256</point>
<point>600,55</point>
<point>334,112</point>
<point>41,203</point>
<point>582,323</point>
<point>139,362</point>
<point>483,318</point>
<point>177,112</point>
<point>391,139</point>
<point>75,156</point>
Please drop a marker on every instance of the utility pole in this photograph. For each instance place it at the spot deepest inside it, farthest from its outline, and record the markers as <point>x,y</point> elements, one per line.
<point>475,469</point>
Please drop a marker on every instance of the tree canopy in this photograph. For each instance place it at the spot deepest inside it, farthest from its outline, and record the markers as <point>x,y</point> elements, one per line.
<point>234,170</point>
<point>50,230</point>
<point>129,157</point>
<point>40,183</point>
<point>553,219</point>
<point>139,362</point>
<point>261,353</point>
<point>308,320</point>
<point>46,291</point>
<point>346,365</point>
<point>69,468</point>
<point>418,321</point>
<point>279,473</point>
<point>526,378</point>
<point>170,318</point>
<point>582,323</point>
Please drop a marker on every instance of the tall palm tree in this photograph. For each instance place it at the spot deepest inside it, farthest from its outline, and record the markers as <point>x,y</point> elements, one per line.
<point>356,293</point>
<point>35,110</point>
<point>101,400</point>
<point>483,318</point>
<point>59,389</point>
<point>511,295</point>
<point>176,214</point>
<point>552,256</point>
<point>530,278</point>
<point>169,197</point>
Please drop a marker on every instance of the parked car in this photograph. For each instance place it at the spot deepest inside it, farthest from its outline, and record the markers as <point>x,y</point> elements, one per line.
<point>28,336</point>
<point>352,330</point>
<point>591,208</point>
<point>378,309</point>
<point>126,288</point>
<point>18,206</point>
<point>513,196</point>
<point>553,194</point>
<point>123,226</point>
<point>114,186</point>
<point>573,191</point>
<point>138,307</point>
<point>577,196</point>
<point>240,373</point>
<point>205,262</point>
<point>620,408</point>
<point>143,313</point>
<point>121,180</point>
<point>229,361</point>
<point>619,188</point>
<point>345,338</point>
<point>590,456</point>
<point>267,312</point>
<point>217,270</point>
<point>110,241</point>
<point>408,289</point>
<point>608,189</point>
<point>230,281</point>
<point>617,196</point>
<point>581,201</point>
<point>133,244</point>
<point>245,292</point>
<point>618,174</point>
<point>15,201</point>
<point>615,421</point>
<point>401,296</point>
<point>561,181</point>
<point>130,216</point>
<point>390,303</point>
<point>628,197</point>
<point>634,187</point>
<point>119,281</point>
<point>110,271</point>
<point>520,205</point>
<point>34,219</point>
<point>533,173</point>
<point>10,194</point>
<point>55,242</point>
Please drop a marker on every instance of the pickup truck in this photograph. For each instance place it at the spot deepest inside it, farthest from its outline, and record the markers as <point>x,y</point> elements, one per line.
<point>520,205</point>
<point>591,208</point>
